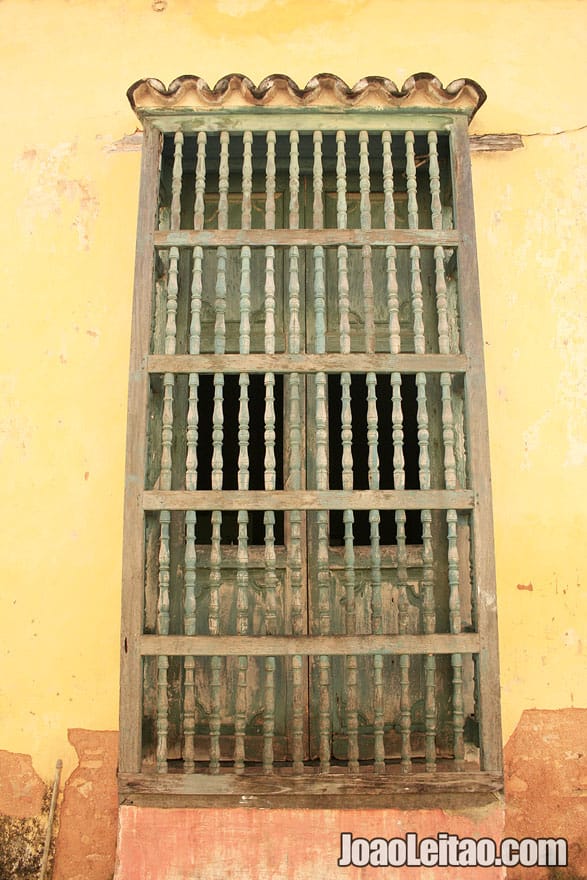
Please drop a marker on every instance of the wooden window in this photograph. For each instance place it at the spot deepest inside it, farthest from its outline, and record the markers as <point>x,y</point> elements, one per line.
<point>309,587</point>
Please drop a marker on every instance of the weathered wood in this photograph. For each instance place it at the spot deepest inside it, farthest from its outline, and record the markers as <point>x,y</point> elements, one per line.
<point>270,573</point>
<point>344,302</point>
<point>444,346</point>
<point>242,577</point>
<point>215,576</point>
<point>448,432</point>
<point>411,185</point>
<point>309,363</point>
<point>189,628</point>
<point>444,790</point>
<point>298,712</point>
<point>365,219</point>
<point>294,180</point>
<point>417,301</point>
<point>245,302</point>
<point>306,237</point>
<point>308,499</point>
<point>162,713</point>
<point>318,204</point>
<point>217,432</point>
<point>393,301</point>
<point>269,715</point>
<point>270,461</point>
<point>215,579</point>
<point>335,557</point>
<point>223,181</point>
<point>247,180</point>
<point>495,142</point>
<point>341,206</point>
<point>220,302</point>
<point>294,330</point>
<point>288,646</point>
<point>270,300</point>
<point>430,712</point>
<point>349,570</point>
<point>405,713</point>
<point>434,174</point>
<point>303,119</point>
<point>176,180</point>
<point>327,566</point>
<point>270,182</point>
<point>346,432</point>
<point>372,432</point>
<point>215,684</point>
<point>196,303</point>
<point>388,205</point>
<point>483,561</point>
<point>200,182</point>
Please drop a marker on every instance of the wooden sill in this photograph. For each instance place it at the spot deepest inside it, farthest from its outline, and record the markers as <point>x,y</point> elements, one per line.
<point>334,790</point>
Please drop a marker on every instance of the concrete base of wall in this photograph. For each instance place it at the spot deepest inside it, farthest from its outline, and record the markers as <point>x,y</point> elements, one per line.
<point>251,844</point>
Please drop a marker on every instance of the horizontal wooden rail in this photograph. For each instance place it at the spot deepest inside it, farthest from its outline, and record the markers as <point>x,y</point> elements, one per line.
<point>307,363</point>
<point>306,237</point>
<point>390,499</point>
<point>313,790</point>
<point>288,646</point>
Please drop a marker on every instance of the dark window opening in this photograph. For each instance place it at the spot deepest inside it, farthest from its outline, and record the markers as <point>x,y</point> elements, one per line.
<point>230,452</point>
<point>360,453</point>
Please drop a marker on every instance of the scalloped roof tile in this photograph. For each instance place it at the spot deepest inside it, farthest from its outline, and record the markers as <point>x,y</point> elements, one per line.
<point>420,91</point>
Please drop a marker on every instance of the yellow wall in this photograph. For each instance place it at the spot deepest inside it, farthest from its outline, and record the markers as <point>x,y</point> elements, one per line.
<point>67,227</point>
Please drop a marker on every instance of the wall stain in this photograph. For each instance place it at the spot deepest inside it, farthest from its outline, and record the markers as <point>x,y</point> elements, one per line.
<point>22,842</point>
<point>51,185</point>
<point>248,18</point>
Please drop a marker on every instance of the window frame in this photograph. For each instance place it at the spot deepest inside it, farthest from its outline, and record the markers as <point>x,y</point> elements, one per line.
<point>424,105</point>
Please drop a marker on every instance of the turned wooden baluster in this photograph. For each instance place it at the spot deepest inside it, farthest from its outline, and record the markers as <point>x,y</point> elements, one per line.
<point>323,571</point>
<point>269,715</point>
<point>217,459</point>
<point>428,605</point>
<point>191,479</point>
<point>242,625</point>
<point>449,440</point>
<point>163,601</point>
<point>322,563</point>
<point>450,478</point>
<point>365,215</point>
<point>214,629</point>
<point>436,210</point>
<point>270,461</point>
<point>351,662</point>
<point>411,184</point>
<point>294,480</point>
<point>375,555</point>
<point>347,458</point>
<point>390,251</point>
<point>399,483</point>
<point>163,630</point>
<point>454,603</point>
<point>242,576</point>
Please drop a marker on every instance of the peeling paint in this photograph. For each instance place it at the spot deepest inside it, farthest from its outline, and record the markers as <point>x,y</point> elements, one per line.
<point>90,804</point>
<point>50,185</point>
<point>129,143</point>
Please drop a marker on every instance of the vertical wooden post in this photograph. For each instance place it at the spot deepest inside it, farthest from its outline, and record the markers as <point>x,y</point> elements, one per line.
<point>477,453</point>
<point>131,705</point>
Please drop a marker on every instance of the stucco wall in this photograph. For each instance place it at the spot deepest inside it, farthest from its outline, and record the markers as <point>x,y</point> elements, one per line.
<point>69,192</point>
